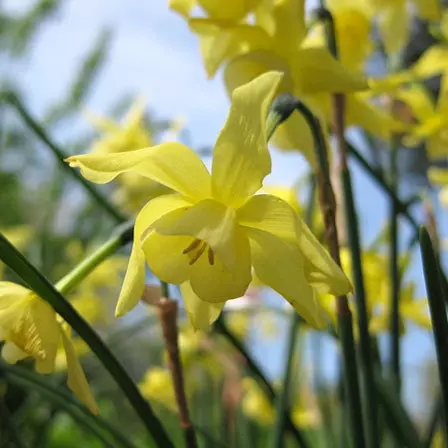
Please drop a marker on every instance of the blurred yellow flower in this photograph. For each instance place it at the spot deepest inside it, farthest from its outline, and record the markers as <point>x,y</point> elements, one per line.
<point>255,404</point>
<point>31,328</point>
<point>127,136</point>
<point>208,235</point>
<point>432,119</point>
<point>439,176</point>
<point>157,385</point>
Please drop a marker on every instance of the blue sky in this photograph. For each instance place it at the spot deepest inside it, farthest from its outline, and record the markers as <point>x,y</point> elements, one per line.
<point>153,54</point>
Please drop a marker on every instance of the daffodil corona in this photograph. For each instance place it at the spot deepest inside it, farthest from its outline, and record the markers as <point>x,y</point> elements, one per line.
<point>209,235</point>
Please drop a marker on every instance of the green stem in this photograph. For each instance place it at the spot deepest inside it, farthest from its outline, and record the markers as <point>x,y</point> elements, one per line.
<point>39,131</point>
<point>394,272</point>
<point>396,417</point>
<point>438,316</point>
<point>365,349</point>
<point>344,315</point>
<point>433,422</point>
<point>122,237</point>
<point>221,328</point>
<point>44,289</point>
<point>65,400</point>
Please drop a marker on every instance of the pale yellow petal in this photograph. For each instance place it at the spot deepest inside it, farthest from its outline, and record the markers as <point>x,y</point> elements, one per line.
<point>315,70</point>
<point>241,158</point>
<point>11,353</point>
<point>200,314</point>
<point>233,10</point>
<point>171,164</point>
<point>433,62</point>
<point>10,293</point>
<point>271,214</point>
<point>280,266</point>
<point>134,281</point>
<point>182,7</point>
<point>393,25</point>
<point>321,270</point>
<point>77,381</point>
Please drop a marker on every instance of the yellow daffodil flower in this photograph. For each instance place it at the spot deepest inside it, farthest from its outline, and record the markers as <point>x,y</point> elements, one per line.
<point>255,404</point>
<point>278,41</point>
<point>129,135</point>
<point>213,230</point>
<point>31,328</point>
<point>432,118</point>
<point>18,236</point>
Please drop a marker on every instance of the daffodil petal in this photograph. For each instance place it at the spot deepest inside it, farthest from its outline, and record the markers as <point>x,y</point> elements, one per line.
<point>77,381</point>
<point>417,312</point>
<point>280,266</point>
<point>31,325</point>
<point>233,10</point>
<point>393,26</point>
<point>433,62</point>
<point>200,314</point>
<point>271,214</point>
<point>207,221</point>
<point>11,293</point>
<point>11,353</point>
<point>419,100</point>
<point>187,175</point>
<point>215,282</point>
<point>182,7</point>
<point>134,280</point>
<point>316,70</point>
<point>321,270</point>
<point>241,158</point>
<point>438,176</point>
<point>221,40</point>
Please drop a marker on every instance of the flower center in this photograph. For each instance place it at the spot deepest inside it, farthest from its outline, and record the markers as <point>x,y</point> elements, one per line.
<point>196,249</point>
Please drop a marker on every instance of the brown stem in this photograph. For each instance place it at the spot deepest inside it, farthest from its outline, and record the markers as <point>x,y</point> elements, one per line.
<point>168,319</point>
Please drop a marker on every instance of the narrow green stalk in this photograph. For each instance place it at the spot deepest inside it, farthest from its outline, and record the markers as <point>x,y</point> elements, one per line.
<point>31,381</point>
<point>221,328</point>
<point>381,182</point>
<point>394,272</point>
<point>122,237</point>
<point>283,401</point>
<point>365,349</point>
<point>438,316</point>
<point>39,131</point>
<point>327,202</point>
<point>396,417</point>
<point>44,289</point>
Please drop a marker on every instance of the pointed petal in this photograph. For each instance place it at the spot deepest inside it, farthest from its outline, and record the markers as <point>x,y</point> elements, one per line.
<point>134,280</point>
<point>316,70</point>
<point>182,7</point>
<point>393,25</point>
<point>280,266</point>
<point>321,270</point>
<point>171,164</point>
<point>11,293</point>
<point>11,353</point>
<point>244,68</point>
<point>433,62</point>
<point>271,214</point>
<point>77,381</point>
<point>233,10</point>
<point>241,158</point>
<point>221,40</point>
<point>200,314</point>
